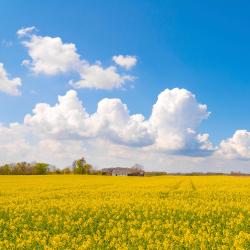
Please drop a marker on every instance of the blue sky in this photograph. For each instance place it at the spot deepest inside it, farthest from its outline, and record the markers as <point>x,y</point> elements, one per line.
<point>200,46</point>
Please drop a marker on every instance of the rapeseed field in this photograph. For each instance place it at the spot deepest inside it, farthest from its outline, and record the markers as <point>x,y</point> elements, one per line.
<point>104,212</point>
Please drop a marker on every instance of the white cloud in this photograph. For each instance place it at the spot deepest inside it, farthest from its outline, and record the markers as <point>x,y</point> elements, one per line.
<point>19,143</point>
<point>51,56</point>
<point>25,31</point>
<point>113,122</point>
<point>126,62</point>
<point>68,119</point>
<point>16,145</point>
<point>112,136</point>
<point>58,152</point>
<point>8,85</point>
<point>95,76</point>
<point>236,147</point>
<point>176,116</point>
<point>13,142</point>
<point>172,126</point>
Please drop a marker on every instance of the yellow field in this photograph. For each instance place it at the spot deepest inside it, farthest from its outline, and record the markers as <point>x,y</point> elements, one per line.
<point>101,212</point>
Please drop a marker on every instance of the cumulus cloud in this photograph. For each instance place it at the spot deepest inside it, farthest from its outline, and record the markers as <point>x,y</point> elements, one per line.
<point>113,122</point>
<point>176,117</point>
<point>68,119</point>
<point>25,31</point>
<point>126,62</point>
<point>95,76</point>
<point>111,135</point>
<point>51,56</point>
<point>172,125</point>
<point>236,147</point>
<point>8,85</point>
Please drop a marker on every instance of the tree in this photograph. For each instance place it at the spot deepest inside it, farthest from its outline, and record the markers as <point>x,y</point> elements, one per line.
<point>41,168</point>
<point>82,167</point>
<point>87,168</point>
<point>5,169</point>
<point>138,167</point>
<point>78,166</point>
<point>66,170</point>
<point>52,169</point>
<point>20,168</point>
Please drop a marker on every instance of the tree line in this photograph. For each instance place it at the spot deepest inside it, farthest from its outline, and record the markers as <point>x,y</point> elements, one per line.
<point>79,166</point>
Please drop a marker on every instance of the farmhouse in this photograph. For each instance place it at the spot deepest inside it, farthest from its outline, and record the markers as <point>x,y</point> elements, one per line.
<point>123,171</point>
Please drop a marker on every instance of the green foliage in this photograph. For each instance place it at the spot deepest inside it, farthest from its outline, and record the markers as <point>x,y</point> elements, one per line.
<point>41,168</point>
<point>88,168</point>
<point>5,169</point>
<point>80,166</point>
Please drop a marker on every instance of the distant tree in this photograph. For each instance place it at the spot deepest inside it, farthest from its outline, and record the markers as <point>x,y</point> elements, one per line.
<point>19,168</point>
<point>41,168</point>
<point>28,168</point>
<point>5,169</point>
<point>97,172</point>
<point>52,169</point>
<point>78,166</point>
<point>81,161</point>
<point>87,168</point>
<point>138,167</point>
<point>58,171</point>
<point>66,170</point>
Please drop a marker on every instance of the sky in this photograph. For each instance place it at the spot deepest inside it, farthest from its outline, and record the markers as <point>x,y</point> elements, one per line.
<point>164,84</point>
